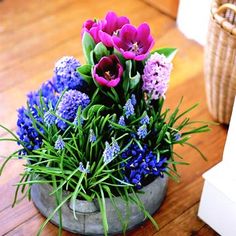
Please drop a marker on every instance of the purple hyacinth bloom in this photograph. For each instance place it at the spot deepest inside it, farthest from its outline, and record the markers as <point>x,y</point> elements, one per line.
<point>59,144</point>
<point>92,27</point>
<point>134,43</point>
<point>111,26</point>
<point>49,118</point>
<point>66,75</point>
<point>68,106</point>
<point>122,121</point>
<point>108,71</point>
<point>128,108</point>
<point>156,76</point>
<point>142,132</point>
<point>145,120</point>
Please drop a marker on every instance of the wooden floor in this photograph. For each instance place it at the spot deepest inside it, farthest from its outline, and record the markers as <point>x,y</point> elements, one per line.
<point>33,35</point>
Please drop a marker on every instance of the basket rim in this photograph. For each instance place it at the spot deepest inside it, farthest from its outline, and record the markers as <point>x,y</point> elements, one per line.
<point>220,20</point>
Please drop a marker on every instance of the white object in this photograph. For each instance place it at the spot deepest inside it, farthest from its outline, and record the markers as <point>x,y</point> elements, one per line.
<point>218,201</point>
<point>193,17</point>
<point>230,144</point>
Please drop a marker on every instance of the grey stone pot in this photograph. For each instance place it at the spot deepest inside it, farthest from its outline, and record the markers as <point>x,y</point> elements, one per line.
<point>89,220</point>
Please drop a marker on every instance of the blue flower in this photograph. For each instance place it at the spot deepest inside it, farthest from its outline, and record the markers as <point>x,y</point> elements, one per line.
<point>66,75</point>
<point>115,147</point>
<point>108,154</point>
<point>128,108</point>
<point>140,163</point>
<point>110,151</point>
<point>82,169</point>
<point>145,120</point>
<point>142,131</point>
<point>92,137</point>
<point>177,136</point>
<point>122,121</point>
<point>59,144</point>
<point>133,100</point>
<point>49,118</point>
<point>68,106</point>
<point>28,134</point>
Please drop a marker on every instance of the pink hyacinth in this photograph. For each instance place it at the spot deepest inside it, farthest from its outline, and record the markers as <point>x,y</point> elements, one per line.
<point>156,76</point>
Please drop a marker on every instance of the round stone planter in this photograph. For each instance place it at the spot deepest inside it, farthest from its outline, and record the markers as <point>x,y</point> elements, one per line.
<point>89,220</point>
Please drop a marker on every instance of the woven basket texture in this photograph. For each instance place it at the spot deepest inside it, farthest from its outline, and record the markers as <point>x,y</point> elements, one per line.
<point>220,60</point>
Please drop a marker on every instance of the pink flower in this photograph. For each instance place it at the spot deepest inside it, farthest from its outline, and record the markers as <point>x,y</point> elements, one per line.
<point>108,71</point>
<point>134,43</point>
<point>111,26</point>
<point>92,27</point>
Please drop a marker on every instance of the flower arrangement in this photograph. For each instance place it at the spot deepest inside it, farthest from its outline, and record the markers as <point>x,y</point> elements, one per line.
<point>100,130</point>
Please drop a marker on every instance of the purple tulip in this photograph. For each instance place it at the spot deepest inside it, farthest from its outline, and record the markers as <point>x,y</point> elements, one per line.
<point>92,27</point>
<point>134,43</point>
<point>111,26</point>
<point>108,71</point>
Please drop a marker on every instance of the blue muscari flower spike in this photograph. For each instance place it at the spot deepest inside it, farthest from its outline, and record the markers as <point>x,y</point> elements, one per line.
<point>177,136</point>
<point>142,132</point>
<point>115,147</point>
<point>145,120</point>
<point>108,154</point>
<point>133,100</point>
<point>92,137</point>
<point>122,121</point>
<point>128,108</point>
<point>141,162</point>
<point>59,144</point>
<point>49,118</point>
<point>84,170</point>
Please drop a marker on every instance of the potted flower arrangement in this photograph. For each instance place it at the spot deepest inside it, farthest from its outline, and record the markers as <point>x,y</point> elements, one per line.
<point>97,138</point>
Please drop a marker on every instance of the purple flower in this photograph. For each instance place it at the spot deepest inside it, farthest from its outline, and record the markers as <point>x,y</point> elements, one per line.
<point>92,27</point>
<point>49,118</point>
<point>141,163</point>
<point>134,43</point>
<point>66,75</point>
<point>92,137</point>
<point>133,100</point>
<point>108,71</point>
<point>156,76</point>
<point>145,120</point>
<point>128,108</point>
<point>111,26</point>
<point>59,144</point>
<point>83,169</point>
<point>68,106</point>
<point>142,132</point>
<point>122,121</point>
<point>108,153</point>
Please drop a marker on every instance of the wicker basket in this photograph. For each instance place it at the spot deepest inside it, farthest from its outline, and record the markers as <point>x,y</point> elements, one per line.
<point>220,60</point>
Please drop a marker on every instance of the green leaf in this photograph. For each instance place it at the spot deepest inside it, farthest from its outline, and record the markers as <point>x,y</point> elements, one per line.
<point>85,72</point>
<point>133,80</point>
<point>167,52</point>
<point>100,51</point>
<point>88,45</point>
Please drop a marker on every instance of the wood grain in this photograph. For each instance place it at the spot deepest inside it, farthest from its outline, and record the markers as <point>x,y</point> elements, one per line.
<point>33,35</point>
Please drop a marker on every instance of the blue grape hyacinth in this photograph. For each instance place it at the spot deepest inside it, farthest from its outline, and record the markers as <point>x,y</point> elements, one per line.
<point>66,75</point>
<point>140,163</point>
<point>68,106</point>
